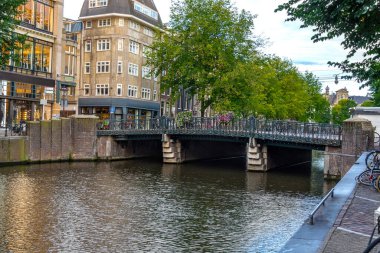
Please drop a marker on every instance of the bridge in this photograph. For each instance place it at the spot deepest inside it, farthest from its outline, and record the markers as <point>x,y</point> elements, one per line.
<point>265,143</point>
<point>298,133</point>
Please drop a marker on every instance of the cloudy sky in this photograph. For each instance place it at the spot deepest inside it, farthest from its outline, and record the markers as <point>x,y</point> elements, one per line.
<point>285,40</point>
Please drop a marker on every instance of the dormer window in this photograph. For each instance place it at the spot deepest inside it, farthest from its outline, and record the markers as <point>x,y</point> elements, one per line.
<point>97,3</point>
<point>146,10</point>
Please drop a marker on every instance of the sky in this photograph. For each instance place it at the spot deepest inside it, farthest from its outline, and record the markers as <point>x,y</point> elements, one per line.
<point>285,39</point>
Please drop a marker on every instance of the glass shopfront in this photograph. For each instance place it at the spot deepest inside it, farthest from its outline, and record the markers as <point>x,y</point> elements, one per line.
<point>21,101</point>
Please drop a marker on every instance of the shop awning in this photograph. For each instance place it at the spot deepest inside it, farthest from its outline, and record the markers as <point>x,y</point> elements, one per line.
<point>119,102</point>
<point>17,77</point>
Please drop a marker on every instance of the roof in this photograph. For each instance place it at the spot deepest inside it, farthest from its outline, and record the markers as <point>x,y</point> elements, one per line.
<point>121,7</point>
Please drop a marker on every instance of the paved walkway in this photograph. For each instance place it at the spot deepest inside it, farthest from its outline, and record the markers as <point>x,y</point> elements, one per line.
<point>346,221</point>
<point>355,223</point>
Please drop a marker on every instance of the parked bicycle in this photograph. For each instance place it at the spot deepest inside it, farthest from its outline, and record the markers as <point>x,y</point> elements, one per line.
<point>374,245</point>
<point>370,176</point>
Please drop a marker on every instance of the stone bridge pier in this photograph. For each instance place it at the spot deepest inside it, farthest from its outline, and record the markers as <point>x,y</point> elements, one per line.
<point>262,157</point>
<point>357,137</point>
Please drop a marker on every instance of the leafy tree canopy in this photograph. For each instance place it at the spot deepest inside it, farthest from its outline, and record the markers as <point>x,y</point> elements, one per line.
<point>8,39</point>
<point>267,86</point>
<point>205,40</point>
<point>357,22</point>
<point>341,111</point>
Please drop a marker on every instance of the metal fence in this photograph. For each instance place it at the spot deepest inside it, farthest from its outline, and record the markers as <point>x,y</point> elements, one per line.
<point>13,130</point>
<point>293,131</point>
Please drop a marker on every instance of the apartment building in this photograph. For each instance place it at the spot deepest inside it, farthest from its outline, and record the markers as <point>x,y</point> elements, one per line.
<point>68,81</point>
<point>116,83</point>
<point>27,86</point>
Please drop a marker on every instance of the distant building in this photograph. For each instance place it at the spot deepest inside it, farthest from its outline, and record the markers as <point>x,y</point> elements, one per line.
<point>370,113</point>
<point>340,94</point>
<point>27,85</point>
<point>68,81</point>
<point>116,83</point>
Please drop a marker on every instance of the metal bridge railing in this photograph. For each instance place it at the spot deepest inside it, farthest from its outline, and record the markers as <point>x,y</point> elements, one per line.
<point>293,131</point>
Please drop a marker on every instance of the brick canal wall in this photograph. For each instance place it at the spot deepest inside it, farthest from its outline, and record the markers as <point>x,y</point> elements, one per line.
<point>71,139</point>
<point>56,140</point>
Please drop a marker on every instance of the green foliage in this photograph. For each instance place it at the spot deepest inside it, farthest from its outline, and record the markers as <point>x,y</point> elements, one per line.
<point>368,103</point>
<point>357,22</point>
<point>9,41</point>
<point>341,111</point>
<point>318,107</point>
<point>273,88</point>
<point>183,118</point>
<point>204,42</point>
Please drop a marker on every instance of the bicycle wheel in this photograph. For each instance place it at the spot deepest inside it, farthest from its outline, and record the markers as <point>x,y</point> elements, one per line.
<point>373,247</point>
<point>376,141</point>
<point>372,160</point>
<point>367,176</point>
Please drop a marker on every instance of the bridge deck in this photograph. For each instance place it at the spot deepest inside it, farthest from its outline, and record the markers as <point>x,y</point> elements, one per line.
<point>285,131</point>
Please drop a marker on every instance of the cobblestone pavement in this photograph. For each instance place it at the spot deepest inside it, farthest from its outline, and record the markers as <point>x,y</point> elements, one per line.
<point>355,223</point>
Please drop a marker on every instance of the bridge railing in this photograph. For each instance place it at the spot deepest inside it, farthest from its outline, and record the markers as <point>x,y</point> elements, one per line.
<point>298,131</point>
<point>244,127</point>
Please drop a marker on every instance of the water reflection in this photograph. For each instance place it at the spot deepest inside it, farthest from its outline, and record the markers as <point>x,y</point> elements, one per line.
<point>146,206</point>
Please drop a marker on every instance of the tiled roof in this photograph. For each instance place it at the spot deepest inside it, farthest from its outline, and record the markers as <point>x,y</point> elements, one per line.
<point>123,7</point>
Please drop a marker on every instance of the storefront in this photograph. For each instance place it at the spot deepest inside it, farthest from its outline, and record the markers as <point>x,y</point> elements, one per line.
<point>25,98</point>
<point>119,108</point>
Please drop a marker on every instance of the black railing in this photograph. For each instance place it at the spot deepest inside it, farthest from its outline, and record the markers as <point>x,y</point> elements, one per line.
<point>293,131</point>
<point>16,129</point>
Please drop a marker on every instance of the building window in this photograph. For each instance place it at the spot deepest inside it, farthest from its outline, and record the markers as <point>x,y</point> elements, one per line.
<point>87,68</point>
<point>104,45</point>
<point>132,91</point>
<point>97,3</point>
<point>155,95</point>
<point>38,14</point>
<point>119,89</point>
<point>145,10</point>
<point>134,25</point>
<point>133,69</point>
<point>148,31</point>
<point>88,46</point>
<point>146,73</point>
<point>70,60</point>
<point>119,67</point>
<point>36,55</point>
<point>102,90</point>
<point>133,47</point>
<point>86,89</point>
<point>145,93</point>
<point>121,21</point>
<point>120,44</point>
<point>103,67</point>
<point>104,22</point>
<point>88,24</point>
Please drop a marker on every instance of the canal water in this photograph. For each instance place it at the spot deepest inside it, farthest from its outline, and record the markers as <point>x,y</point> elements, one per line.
<point>145,206</point>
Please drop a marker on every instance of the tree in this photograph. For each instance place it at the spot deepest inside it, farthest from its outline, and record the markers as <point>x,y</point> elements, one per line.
<point>341,111</point>
<point>266,86</point>
<point>318,108</point>
<point>205,40</point>
<point>367,103</point>
<point>9,41</point>
<point>357,22</point>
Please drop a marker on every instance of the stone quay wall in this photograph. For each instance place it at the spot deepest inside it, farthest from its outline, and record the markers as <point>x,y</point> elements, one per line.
<point>54,140</point>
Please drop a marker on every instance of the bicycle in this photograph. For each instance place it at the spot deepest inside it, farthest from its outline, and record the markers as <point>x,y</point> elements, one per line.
<point>373,245</point>
<point>369,176</point>
<point>373,159</point>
